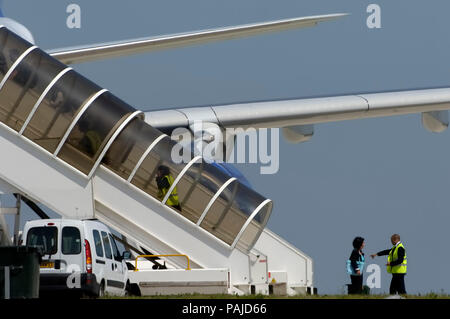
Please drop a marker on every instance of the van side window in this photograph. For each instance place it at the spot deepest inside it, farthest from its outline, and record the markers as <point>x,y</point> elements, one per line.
<point>105,239</point>
<point>115,249</point>
<point>98,243</point>
<point>71,241</point>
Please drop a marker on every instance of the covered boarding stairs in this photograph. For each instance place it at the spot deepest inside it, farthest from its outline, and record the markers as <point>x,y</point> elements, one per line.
<point>84,153</point>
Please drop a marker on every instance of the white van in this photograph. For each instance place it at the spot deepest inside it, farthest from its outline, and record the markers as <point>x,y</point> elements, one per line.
<point>78,255</point>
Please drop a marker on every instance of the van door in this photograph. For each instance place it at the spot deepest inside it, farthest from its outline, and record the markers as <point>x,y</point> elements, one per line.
<point>109,265</point>
<point>72,256</point>
<point>46,236</point>
<point>118,268</point>
<point>99,262</point>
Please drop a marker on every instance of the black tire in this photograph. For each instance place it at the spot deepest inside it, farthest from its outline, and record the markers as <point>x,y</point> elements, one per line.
<point>134,290</point>
<point>127,289</point>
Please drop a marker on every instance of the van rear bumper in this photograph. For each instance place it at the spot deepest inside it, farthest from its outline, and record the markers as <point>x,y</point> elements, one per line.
<point>85,283</point>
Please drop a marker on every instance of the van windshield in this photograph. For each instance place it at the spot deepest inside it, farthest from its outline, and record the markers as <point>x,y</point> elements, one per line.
<point>45,238</point>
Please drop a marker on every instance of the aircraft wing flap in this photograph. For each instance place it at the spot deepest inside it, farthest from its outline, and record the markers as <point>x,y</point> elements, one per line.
<point>290,112</point>
<point>405,102</point>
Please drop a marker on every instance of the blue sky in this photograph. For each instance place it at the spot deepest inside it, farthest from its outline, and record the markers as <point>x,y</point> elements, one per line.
<point>370,177</point>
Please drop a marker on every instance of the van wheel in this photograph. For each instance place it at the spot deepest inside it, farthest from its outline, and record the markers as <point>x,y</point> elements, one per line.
<point>134,290</point>
<point>101,290</point>
<point>128,289</point>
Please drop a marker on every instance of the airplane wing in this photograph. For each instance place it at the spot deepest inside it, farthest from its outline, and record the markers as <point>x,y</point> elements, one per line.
<point>297,116</point>
<point>115,49</point>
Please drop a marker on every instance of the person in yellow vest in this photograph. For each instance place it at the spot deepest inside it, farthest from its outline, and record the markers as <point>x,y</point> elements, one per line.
<point>396,265</point>
<point>164,181</point>
<point>91,140</point>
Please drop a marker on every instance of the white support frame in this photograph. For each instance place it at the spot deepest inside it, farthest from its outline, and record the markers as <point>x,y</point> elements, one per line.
<point>143,157</point>
<point>214,198</point>
<point>175,182</point>
<point>248,221</point>
<point>41,98</point>
<point>112,139</point>
<point>15,64</point>
<point>75,120</point>
<point>43,150</point>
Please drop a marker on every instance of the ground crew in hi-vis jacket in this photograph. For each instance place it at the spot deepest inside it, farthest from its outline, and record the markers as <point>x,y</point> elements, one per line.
<point>164,180</point>
<point>396,265</point>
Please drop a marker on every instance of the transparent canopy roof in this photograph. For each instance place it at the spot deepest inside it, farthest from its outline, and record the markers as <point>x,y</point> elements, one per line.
<point>84,125</point>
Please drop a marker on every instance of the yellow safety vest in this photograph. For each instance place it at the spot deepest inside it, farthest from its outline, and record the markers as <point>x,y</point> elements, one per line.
<point>173,198</point>
<point>393,256</point>
<point>95,141</point>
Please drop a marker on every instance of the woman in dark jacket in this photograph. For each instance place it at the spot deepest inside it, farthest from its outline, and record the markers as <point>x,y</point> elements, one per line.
<point>356,265</point>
